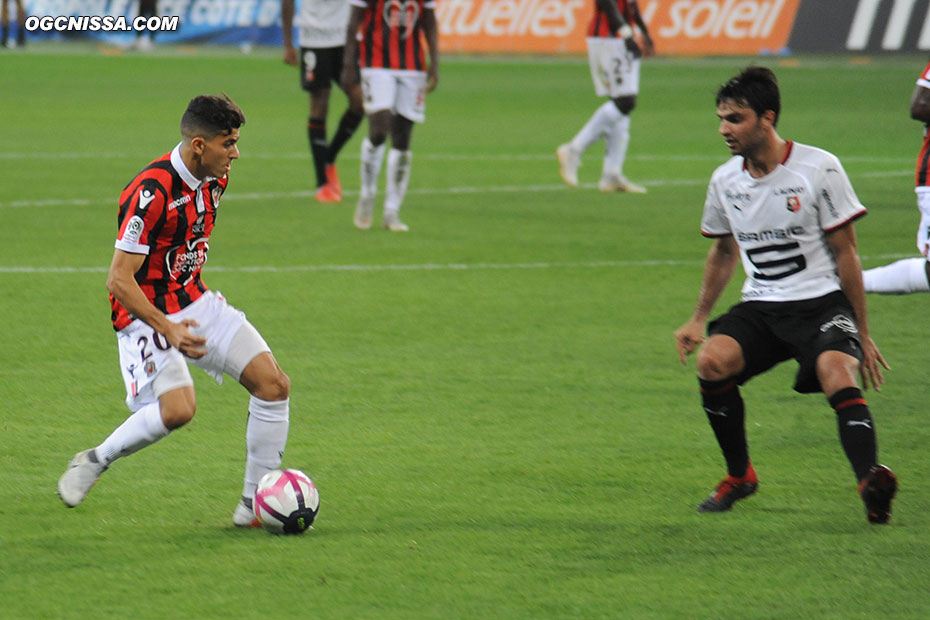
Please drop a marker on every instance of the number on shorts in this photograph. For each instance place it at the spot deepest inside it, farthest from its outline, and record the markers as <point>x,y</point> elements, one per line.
<point>160,342</point>
<point>618,70</point>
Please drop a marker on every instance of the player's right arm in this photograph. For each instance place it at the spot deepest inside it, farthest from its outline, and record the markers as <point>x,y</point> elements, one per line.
<point>287,31</point>
<point>920,99</point>
<point>718,269</point>
<point>121,282</point>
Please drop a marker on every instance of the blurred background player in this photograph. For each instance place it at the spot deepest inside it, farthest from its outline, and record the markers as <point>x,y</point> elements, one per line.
<point>912,275</point>
<point>802,298</point>
<point>322,37</point>
<point>165,316</point>
<point>387,38</point>
<point>613,55</point>
<point>5,23</point>
<point>145,39</point>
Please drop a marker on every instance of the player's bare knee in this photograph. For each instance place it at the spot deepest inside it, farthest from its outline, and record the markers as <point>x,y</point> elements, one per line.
<point>709,367</point>
<point>836,370</point>
<point>715,364</point>
<point>275,387</point>
<point>176,412</point>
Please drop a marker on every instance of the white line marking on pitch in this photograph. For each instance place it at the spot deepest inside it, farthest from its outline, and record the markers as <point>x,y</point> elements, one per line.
<point>414,267</point>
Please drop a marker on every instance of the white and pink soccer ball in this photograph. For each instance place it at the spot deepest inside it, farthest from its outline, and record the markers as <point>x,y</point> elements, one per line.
<point>286,501</point>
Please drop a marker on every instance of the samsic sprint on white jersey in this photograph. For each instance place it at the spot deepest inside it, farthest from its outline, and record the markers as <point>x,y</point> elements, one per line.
<point>780,222</point>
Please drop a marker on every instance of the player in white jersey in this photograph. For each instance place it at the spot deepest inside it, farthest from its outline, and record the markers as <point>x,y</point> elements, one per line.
<point>786,211</point>
<point>321,28</point>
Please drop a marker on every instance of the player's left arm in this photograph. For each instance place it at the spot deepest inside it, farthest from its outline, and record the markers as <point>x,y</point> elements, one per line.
<point>431,31</point>
<point>649,48</point>
<point>287,31</point>
<point>842,242</point>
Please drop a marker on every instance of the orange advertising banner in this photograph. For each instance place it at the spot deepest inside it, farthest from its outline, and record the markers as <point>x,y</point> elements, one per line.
<point>678,27</point>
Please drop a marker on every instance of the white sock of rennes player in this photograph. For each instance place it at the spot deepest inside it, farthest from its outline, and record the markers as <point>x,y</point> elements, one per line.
<point>398,176</point>
<point>899,278</point>
<point>265,439</point>
<point>141,429</point>
<point>371,167</point>
<point>618,139</point>
<point>599,125</point>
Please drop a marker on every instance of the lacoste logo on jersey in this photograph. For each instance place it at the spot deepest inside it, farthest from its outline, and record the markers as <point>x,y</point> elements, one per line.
<point>865,423</point>
<point>146,196</point>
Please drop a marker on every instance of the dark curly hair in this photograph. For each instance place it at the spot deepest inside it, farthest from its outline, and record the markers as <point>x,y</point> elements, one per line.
<point>211,115</point>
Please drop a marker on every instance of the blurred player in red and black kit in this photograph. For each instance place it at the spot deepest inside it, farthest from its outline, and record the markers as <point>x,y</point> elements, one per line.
<point>165,316</point>
<point>388,38</point>
<point>614,58</point>
<point>912,275</point>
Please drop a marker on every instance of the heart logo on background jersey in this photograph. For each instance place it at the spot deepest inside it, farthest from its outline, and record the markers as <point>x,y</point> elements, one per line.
<point>402,16</point>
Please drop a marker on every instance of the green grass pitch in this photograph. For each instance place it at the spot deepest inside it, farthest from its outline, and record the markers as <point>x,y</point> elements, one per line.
<point>491,405</point>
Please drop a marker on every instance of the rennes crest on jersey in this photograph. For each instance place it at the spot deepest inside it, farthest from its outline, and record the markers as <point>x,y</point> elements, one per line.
<point>794,204</point>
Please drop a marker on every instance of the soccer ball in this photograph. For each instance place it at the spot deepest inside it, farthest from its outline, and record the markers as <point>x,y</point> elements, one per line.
<point>286,501</point>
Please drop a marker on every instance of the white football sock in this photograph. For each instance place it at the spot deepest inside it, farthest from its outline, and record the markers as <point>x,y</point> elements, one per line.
<point>398,176</point>
<point>141,429</point>
<point>899,278</point>
<point>265,438</point>
<point>371,167</point>
<point>618,139</point>
<point>600,123</point>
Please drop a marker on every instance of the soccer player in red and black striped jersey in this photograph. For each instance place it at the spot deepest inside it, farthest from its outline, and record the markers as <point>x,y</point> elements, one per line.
<point>389,38</point>
<point>912,275</point>
<point>165,316</point>
<point>614,58</point>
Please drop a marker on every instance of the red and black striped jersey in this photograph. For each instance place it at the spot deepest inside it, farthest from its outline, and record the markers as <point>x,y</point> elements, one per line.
<point>391,34</point>
<point>600,25</point>
<point>923,160</point>
<point>167,214</point>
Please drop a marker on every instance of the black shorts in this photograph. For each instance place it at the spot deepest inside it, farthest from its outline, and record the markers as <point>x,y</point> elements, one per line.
<point>320,67</point>
<point>771,332</point>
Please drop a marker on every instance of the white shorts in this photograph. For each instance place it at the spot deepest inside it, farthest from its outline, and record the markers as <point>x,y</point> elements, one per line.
<point>151,366</point>
<point>401,92</point>
<point>923,229</point>
<point>614,70</point>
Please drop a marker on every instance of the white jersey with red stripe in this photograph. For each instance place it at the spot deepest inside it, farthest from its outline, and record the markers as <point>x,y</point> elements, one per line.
<point>781,220</point>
